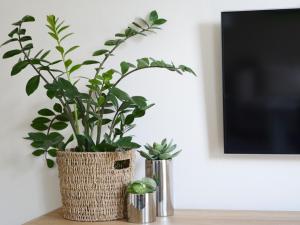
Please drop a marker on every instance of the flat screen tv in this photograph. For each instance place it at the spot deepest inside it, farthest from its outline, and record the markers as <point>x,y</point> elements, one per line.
<point>261,81</point>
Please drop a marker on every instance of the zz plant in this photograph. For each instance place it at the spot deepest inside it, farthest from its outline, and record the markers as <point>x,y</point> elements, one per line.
<point>99,117</point>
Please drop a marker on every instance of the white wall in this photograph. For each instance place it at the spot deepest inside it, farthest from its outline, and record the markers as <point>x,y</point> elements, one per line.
<point>187,109</point>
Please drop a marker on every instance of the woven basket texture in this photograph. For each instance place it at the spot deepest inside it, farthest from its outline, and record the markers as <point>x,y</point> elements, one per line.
<point>91,188</point>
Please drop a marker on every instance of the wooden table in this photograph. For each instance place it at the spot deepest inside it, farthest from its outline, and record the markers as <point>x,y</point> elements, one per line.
<point>192,217</point>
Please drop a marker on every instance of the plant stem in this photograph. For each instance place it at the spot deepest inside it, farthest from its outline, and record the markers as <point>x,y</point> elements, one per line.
<point>99,126</point>
<point>66,106</point>
<point>69,79</point>
<point>113,123</point>
<point>90,94</point>
<point>48,130</point>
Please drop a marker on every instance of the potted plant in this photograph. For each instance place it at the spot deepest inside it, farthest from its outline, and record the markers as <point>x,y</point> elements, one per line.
<point>159,167</point>
<point>96,168</point>
<point>141,205</point>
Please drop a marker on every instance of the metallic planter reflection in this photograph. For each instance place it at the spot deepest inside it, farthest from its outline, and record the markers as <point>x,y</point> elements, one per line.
<point>141,208</point>
<point>161,172</point>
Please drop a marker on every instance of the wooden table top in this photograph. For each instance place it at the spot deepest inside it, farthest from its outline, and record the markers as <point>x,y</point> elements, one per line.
<point>191,217</point>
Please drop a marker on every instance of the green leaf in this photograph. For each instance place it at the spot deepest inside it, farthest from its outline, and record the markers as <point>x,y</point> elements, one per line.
<point>138,187</point>
<point>85,143</point>
<point>41,120</point>
<point>32,84</point>
<point>140,101</point>
<point>11,53</point>
<point>18,23</point>
<point>13,32</point>
<point>18,67</point>
<point>106,121</point>
<point>165,156</point>
<point>153,16</point>
<point>9,41</point>
<point>22,32</point>
<point>46,112</point>
<point>108,111</point>
<point>120,35</point>
<point>51,20</point>
<point>50,163</point>
<point>52,152</point>
<point>62,29</point>
<point>101,100</point>
<point>159,21</point>
<point>38,152</point>
<point>175,154</point>
<point>54,138</point>
<point>51,28</point>
<point>124,67</point>
<point>138,113</point>
<point>28,18</point>
<point>71,138</point>
<point>113,100</point>
<point>53,35</point>
<point>186,69</point>
<point>60,49</point>
<point>39,126</point>
<point>71,49</point>
<point>37,144</point>
<point>121,95</point>
<point>59,125</point>
<point>100,52</point>
<point>89,62</point>
<point>55,62</point>
<point>68,63</point>
<point>38,54</point>
<point>150,183</point>
<point>113,42</point>
<point>74,68</point>
<point>129,32</point>
<point>107,76</point>
<point>45,54</point>
<point>64,37</point>
<point>129,119</point>
<point>36,136</point>
<point>142,63</point>
<point>57,107</point>
<point>145,155</point>
<point>105,147</point>
<point>125,105</point>
<point>28,47</point>
<point>62,117</point>
<point>126,143</point>
<point>60,24</point>
<point>25,38</point>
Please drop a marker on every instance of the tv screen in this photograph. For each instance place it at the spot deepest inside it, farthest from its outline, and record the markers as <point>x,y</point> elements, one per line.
<point>261,81</point>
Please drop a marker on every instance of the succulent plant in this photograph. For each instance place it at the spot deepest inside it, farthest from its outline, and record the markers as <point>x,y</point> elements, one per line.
<point>143,186</point>
<point>162,151</point>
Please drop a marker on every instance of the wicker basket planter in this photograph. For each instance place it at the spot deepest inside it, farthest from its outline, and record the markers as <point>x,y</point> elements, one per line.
<point>93,185</point>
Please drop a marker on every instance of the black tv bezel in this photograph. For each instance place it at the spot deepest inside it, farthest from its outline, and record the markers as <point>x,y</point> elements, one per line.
<point>223,82</point>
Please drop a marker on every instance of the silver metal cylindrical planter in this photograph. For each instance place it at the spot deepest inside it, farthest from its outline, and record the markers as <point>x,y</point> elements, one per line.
<point>161,172</point>
<point>141,208</point>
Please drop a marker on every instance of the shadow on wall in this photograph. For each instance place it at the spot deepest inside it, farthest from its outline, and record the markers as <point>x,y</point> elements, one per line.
<point>211,54</point>
<point>50,184</point>
<point>210,36</point>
